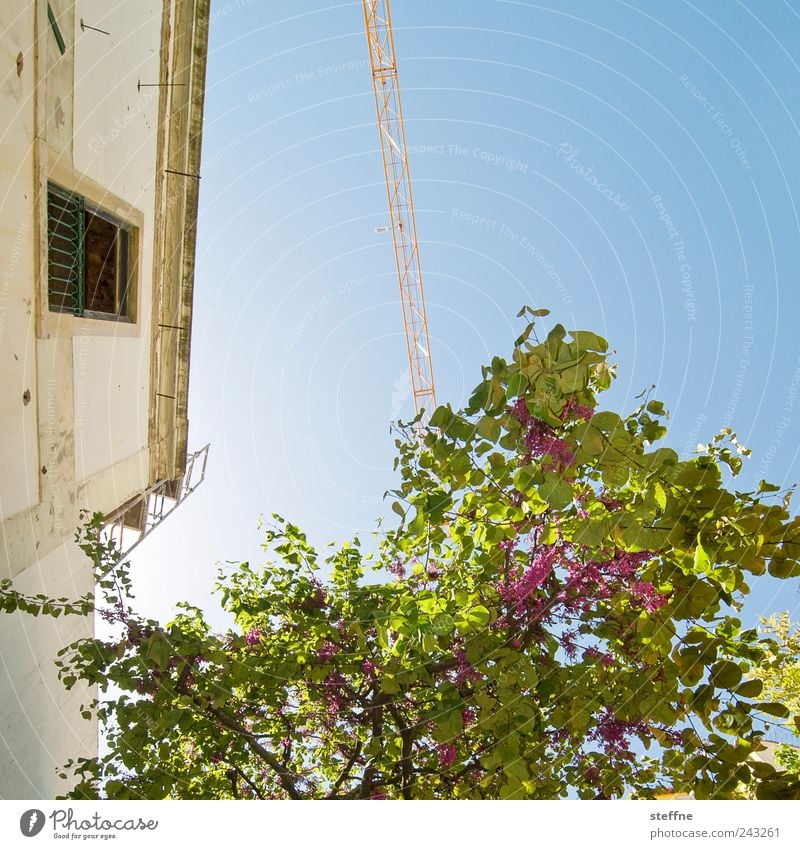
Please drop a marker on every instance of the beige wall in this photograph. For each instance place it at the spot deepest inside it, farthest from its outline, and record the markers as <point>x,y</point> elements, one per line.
<point>19,462</point>
<point>115,146</point>
<point>40,722</point>
<point>81,440</point>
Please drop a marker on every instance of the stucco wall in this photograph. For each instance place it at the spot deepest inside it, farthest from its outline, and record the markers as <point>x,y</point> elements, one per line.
<point>40,722</point>
<point>115,135</point>
<point>19,483</point>
<point>81,438</point>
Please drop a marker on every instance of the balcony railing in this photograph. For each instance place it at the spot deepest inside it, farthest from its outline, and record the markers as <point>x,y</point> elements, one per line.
<point>142,514</point>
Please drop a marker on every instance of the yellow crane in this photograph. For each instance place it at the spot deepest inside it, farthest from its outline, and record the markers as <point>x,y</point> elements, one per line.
<point>378,21</point>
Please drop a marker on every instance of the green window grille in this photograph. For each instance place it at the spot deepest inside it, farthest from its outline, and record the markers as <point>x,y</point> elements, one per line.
<point>65,236</point>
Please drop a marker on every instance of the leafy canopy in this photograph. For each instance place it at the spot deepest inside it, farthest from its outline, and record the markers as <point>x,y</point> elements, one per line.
<point>554,615</point>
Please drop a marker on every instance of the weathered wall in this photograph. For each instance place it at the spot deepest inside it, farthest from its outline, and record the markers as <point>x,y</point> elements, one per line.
<point>19,481</point>
<point>79,437</point>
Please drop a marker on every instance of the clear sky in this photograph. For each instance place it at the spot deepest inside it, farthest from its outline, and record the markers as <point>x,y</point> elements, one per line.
<point>632,167</point>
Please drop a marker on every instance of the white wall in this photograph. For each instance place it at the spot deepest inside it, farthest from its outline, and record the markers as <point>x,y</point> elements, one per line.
<point>111,402</point>
<point>115,145</point>
<point>82,439</point>
<point>19,462</point>
<point>40,722</point>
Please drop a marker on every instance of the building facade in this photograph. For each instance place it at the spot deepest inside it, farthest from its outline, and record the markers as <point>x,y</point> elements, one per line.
<point>99,174</point>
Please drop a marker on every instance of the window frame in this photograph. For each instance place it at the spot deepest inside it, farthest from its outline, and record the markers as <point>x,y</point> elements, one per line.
<point>123,266</point>
<point>129,223</point>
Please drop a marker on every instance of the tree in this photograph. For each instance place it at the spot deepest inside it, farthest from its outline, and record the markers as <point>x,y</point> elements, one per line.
<point>780,673</point>
<point>554,615</point>
<point>780,670</point>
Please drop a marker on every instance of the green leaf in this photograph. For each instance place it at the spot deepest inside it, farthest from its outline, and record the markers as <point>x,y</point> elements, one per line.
<point>517,385</point>
<point>726,674</point>
<point>773,709</point>
<point>587,341</point>
<point>478,616</point>
<point>556,492</point>
<point>702,562</point>
<point>517,769</point>
<point>527,477</point>
<point>750,689</point>
<point>489,428</point>
<point>389,685</point>
<point>781,567</point>
<point>443,624</point>
<point>441,416</point>
<point>606,421</point>
<point>660,495</point>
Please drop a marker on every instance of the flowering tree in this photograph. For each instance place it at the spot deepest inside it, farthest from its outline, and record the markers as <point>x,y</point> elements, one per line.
<point>554,615</point>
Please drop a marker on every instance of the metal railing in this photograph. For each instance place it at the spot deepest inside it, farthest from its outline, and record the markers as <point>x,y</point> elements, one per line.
<point>127,526</point>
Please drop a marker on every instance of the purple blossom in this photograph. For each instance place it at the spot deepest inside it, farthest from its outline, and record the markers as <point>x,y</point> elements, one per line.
<point>568,643</point>
<point>397,568</point>
<point>573,410</point>
<point>540,439</point>
<point>613,733</point>
<point>464,671</point>
<point>447,754</point>
<point>335,693</point>
<point>253,637</point>
<point>649,597</point>
<point>604,657</point>
<point>327,651</point>
<point>516,593</point>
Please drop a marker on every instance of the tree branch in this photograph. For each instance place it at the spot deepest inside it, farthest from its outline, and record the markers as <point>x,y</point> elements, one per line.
<point>345,774</point>
<point>406,762</point>
<point>284,776</point>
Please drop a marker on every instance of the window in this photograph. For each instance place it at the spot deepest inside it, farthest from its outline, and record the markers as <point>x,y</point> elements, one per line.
<point>88,258</point>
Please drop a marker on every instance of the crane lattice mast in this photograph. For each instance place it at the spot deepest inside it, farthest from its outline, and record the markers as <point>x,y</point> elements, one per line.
<point>378,21</point>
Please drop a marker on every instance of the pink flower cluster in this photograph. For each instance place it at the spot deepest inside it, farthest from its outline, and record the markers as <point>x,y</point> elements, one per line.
<point>517,593</point>
<point>540,439</point>
<point>327,651</point>
<point>447,754</point>
<point>604,657</point>
<point>651,600</point>
<point>396,568</point>
<point>568,643</point>
<point>465,671</point>
<point>253,637</point>
<point>574,410</point>
<point>335,693</point>
<point>595,580</point>
<point>613,734</point>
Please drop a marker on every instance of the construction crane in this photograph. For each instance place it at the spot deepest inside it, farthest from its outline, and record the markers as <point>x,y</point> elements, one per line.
<point>378,21</point>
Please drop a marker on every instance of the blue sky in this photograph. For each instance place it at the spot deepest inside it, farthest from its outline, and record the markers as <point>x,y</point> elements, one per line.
<point>630,166</point>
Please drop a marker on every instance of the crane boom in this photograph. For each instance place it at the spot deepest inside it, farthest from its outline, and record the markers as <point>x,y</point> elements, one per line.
<point>378,21</point>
